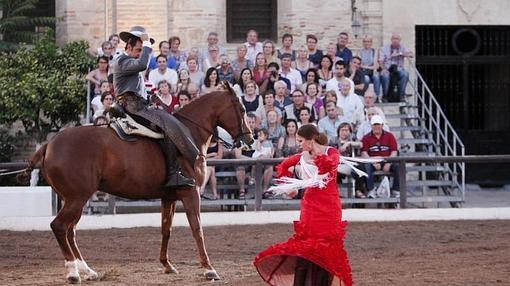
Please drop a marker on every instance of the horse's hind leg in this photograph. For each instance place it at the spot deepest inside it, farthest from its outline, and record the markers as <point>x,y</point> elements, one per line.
<point>83,268</point>
<point>191,204</point>
<point>167,216</point>
<point>61,225</point>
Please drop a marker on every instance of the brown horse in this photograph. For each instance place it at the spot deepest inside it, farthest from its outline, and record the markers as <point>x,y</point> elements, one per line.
<point>78,161</point>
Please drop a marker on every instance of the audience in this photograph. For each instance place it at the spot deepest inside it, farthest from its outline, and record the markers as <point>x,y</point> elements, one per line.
<point>287,41</point>
<point>253,46</point>
<point>391,60</point>
<point>314,54</point>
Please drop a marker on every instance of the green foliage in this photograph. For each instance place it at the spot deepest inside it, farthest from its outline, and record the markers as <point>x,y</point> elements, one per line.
<point>15,25</point>
<point>6,145</point>
<point>44,86</point>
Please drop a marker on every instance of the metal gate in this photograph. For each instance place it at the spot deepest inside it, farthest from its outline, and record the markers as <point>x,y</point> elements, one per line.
<point>468,70</point>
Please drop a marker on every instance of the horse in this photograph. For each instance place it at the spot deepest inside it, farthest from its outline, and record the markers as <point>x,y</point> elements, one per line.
<point>81,160</point>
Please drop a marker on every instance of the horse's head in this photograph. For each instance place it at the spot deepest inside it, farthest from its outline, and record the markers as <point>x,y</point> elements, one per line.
<point>232,118</point>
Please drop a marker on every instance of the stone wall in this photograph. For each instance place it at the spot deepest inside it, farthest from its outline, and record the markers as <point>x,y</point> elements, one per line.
<point>191,20</point>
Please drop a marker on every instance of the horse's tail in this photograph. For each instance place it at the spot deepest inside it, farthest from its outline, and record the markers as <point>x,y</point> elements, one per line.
<point>35,161</point>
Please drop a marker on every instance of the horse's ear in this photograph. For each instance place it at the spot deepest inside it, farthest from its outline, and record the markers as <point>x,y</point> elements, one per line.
<point>229,88</point>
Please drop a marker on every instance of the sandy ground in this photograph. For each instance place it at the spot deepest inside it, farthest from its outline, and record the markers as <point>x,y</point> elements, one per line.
<point>410,253</point>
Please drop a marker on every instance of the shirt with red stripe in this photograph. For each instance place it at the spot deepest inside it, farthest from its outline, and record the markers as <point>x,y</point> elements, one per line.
<point>379,147</point>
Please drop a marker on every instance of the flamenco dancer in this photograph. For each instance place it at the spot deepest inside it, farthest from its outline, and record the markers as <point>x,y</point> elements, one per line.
<point>314,255</point>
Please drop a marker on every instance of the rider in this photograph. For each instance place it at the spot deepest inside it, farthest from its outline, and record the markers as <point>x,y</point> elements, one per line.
<point>130,89</point>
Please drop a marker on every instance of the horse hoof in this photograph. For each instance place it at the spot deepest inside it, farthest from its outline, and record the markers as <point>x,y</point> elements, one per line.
<point>73,280</point>
<point>212,275</point>
<point>170,270</point>
<point>92,276</point>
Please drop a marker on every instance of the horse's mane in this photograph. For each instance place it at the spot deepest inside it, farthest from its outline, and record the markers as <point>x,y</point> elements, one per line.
<point>199,102</point>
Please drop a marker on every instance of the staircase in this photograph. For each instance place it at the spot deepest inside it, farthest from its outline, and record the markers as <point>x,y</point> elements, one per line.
<point>422,129</point>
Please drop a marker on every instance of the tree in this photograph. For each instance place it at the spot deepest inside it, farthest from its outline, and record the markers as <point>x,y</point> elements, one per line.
<point>15,25</point>
<point>44,86</point>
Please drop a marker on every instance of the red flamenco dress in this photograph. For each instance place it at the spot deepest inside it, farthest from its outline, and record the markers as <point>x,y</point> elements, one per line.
<point>319,233</point>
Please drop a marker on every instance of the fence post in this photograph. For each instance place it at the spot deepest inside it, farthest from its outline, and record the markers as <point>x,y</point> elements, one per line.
<point>111,205</point>
<point>258,185</point>
<point>402,183</point>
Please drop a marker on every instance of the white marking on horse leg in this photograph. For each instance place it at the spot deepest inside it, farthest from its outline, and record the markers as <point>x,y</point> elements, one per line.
<point>72,274</point>
<point>83,268</point>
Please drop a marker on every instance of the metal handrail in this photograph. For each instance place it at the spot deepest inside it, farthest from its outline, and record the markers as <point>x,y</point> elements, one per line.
<point>429,106</point>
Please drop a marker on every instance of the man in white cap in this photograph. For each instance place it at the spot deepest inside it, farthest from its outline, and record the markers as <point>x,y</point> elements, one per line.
<point>130,89</point>
<point>380,143</point>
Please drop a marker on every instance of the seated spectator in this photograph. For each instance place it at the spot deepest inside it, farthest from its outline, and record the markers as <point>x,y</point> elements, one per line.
<point>211,81</point>
<point>164,49</point>
<point>274,127</point>
<point>260,74</point>
<point>213,59</point>
<point>393,55</point>
<point>314,54</point>
<point>184,80</point>
<point>304,116</point>
<point>96,76</point>
<point>162,72</point>
<point>342,50</point>
<point>348,147</point>
<point>103,122</point>
<point>183,98</point>
<point>250,99</point>
<point>273,77</point>
<point>246,76</point>
<point>312,76</point>
<point>115,40</point>
<point>240,63</point>
<point>355,74</point>
<point>264,150</point>
<point>178,55</point>
<point>214,151</point>
<point>369,101</point>
<point>281,100</point>
<point>289,73</point>
<point>193,91</point>
<point>106,49</point>
<point>107,101</point>
<point>253,46</point>
<point>241,153</point>
<point>312,97</point>
<point>269,51</point>
<point>196,75</point>
<point>369,66</point>
<point>287,41</point>
<point>334,83</point>
<point>330,95</point>
<point>302,64</point>
<point>163,99</point>
<point>225,71</point>
<point>331,52</point>
<point>261,111</point>
<point>212,40</point>
<point>298,101</point>
<point>96,102</point>
<point>350,103</point>
<point>365,127</point>
<point>380,143</point>
<point>325,71</point>
<point>288,145</point>
<point>329,124</point>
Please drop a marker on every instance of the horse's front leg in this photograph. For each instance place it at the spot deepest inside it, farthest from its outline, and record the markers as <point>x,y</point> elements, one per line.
<point>191,203</point>
<point>167,216</point>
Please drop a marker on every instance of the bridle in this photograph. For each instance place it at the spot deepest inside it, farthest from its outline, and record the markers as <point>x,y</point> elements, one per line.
<point>240,134</point>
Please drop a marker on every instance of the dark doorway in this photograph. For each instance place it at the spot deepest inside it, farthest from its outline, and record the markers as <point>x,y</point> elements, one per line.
<point>468,70</point>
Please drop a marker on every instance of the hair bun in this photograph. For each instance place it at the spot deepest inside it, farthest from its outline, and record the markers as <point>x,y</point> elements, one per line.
<point>322,139</point>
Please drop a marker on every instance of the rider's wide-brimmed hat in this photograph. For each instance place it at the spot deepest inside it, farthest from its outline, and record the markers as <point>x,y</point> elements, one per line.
<point>136,31</point>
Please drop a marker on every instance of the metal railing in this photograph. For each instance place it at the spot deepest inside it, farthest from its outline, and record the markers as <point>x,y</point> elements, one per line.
<point>446,141</point>
<point>403,200</point>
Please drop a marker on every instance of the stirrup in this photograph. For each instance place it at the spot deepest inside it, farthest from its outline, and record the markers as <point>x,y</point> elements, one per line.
<point>178,180</point>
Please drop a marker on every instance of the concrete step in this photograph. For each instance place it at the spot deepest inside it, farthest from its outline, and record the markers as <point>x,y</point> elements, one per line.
<point>406,128</point>
<point>425,168</point>
<point>412,154</point>
<point>402,116</point>
<point>409,141</point>
<point>430,183</point>
<point>392,104</point>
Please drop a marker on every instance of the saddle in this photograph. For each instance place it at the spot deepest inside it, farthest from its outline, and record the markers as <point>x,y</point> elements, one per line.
<point>128,128</point>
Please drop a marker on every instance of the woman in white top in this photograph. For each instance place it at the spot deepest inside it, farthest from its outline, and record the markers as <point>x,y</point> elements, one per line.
<point>184,80</point>
<point>213,60</point>
<point>246,75</point>
<point>302,64</point>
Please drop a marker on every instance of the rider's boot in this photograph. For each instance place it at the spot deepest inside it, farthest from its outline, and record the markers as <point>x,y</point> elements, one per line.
<point>174,176</point>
